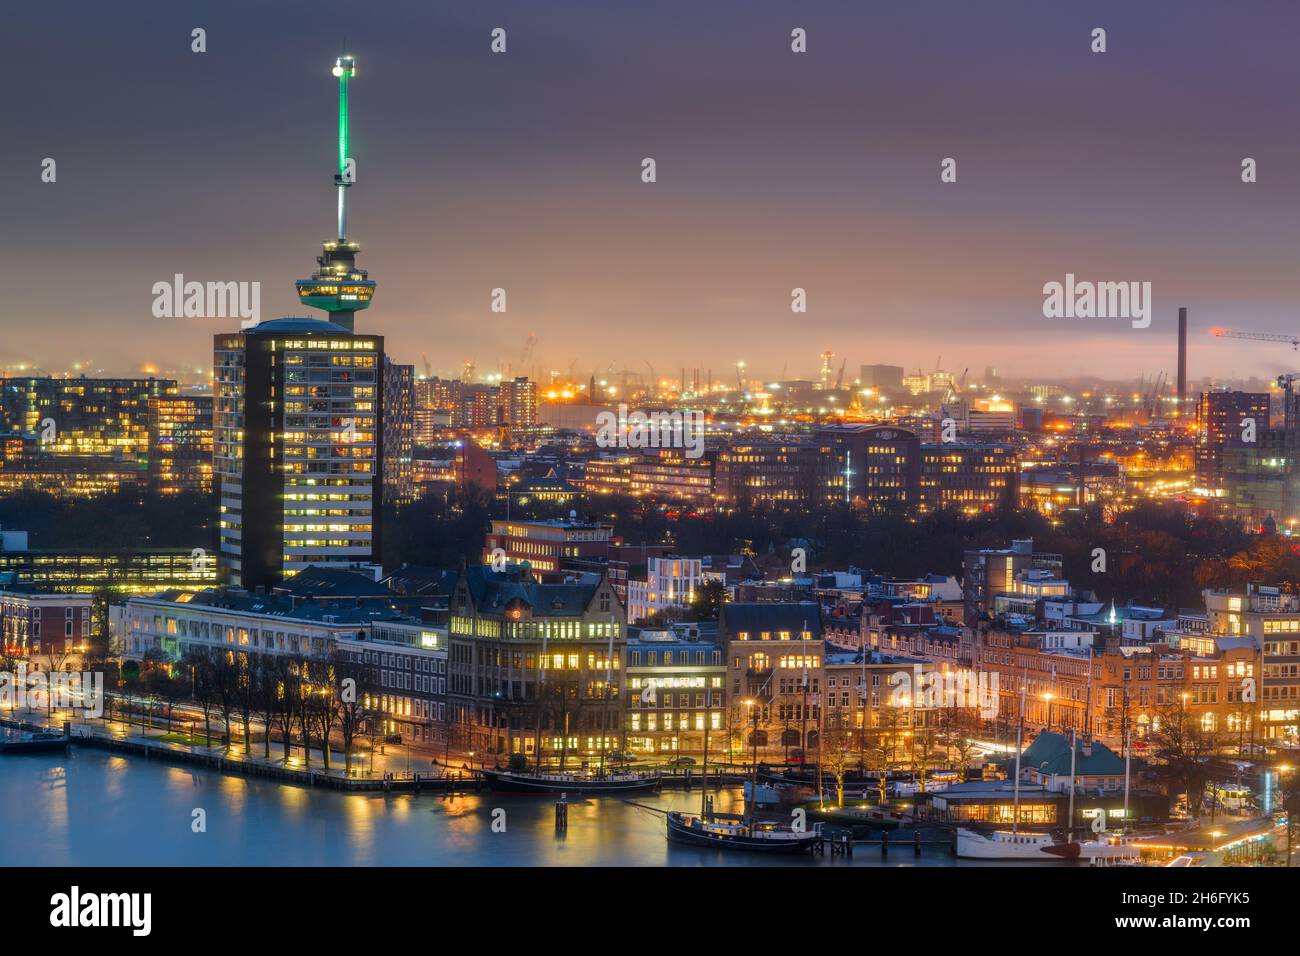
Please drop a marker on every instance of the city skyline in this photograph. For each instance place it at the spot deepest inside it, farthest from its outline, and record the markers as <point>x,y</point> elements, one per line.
<point>775,171</point>
<point>954,524</point>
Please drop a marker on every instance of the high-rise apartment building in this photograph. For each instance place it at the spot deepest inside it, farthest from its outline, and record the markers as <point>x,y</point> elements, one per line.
<point>180,444</point>
<point>298,433</point>
<point>1225,420</point>
<point>399,432</point>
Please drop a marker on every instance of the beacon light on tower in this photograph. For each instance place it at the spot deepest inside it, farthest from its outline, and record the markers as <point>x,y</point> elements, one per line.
<point>338,286</point>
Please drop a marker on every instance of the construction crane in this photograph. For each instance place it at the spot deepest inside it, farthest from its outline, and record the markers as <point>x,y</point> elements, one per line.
<point>1293,340</point>
<point>527,352</point>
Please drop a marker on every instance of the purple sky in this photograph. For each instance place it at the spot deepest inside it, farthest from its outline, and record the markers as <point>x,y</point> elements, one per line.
<point>775,170</point>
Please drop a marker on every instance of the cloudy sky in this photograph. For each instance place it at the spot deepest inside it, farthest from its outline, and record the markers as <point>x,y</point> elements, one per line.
<point>775,170</point>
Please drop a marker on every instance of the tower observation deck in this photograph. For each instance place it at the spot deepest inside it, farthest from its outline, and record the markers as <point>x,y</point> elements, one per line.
<point>338,286</point>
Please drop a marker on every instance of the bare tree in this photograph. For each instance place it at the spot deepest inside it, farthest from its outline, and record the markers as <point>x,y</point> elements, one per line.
<point>323,702</point>
<point>1189,753</point>
<point>958,731</point>
<point>266,695</point>
<point>226,678</point>
<point>162,684</point>
<point>286,678</point>
<point>302,705</point>
<point>245,696</point>
<point>835,744</point>
<point>882,745</point>
<point>200,663</point>
<point>56,659</point>
<point>353,681</point>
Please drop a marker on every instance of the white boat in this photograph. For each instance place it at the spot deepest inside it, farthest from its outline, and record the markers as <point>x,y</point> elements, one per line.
<point>1107,851</point>
<point>1010,845</point>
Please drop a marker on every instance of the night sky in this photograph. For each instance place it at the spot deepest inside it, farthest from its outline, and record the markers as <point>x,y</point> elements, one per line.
<point>775,170</point>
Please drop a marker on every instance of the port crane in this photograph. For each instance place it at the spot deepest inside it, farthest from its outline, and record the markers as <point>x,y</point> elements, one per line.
<point>1293,340</point>
<point>1285,383</point>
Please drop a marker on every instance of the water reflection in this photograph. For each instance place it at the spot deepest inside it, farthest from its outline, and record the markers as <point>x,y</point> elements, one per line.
<point>91,808</point>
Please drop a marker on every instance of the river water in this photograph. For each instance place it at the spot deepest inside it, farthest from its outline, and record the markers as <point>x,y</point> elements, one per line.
<point>91,808</point>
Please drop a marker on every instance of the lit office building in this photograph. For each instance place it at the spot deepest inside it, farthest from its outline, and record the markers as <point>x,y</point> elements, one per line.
<point>180,444</point>
<point>969,478</point>
<point>399,432</point>
<point>1222,421</point>
<point>517,403</point>
<point>298,430</point>
<point>530,668</point>
<point>83,417</point>
<point>778,473</point>
<point>879,465</point>
<point>550,546</point>
<point>1271,616</point>
<point>676,690</point>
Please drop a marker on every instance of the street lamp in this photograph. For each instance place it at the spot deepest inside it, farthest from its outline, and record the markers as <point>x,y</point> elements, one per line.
<point>1047,696</point>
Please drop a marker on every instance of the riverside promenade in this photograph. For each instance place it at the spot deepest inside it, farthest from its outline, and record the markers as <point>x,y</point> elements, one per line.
<point>374,768</point>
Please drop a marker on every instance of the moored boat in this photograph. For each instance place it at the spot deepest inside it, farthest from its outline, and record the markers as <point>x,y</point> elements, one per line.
<point>739,834</point>
<point>37,743</point>
<point>1011,845</point>
<point>516,781</point>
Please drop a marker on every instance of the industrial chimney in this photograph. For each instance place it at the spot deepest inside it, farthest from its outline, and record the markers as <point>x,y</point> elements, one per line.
<point>1182,361</point>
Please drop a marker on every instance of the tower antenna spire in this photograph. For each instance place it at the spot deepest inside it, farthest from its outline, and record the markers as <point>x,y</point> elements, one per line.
<point>338,286</point>
<point>345,67</point>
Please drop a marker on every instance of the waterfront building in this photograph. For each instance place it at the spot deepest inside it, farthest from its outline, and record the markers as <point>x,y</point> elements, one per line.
<point>35,621</point>
<point>1093,766</point>
<point>775,653</point>
<point>536,668</point>
<point>676,678</point>
<point>405,684</point>
<point>234,619</point>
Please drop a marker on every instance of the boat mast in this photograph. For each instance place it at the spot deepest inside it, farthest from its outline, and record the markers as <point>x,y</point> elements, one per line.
<point>1020,732</point>
<point>753,786</point>
<point>1074,749</point>
<point>604,717</point>
<point>821,733</point>
<point>541,702</point>
<point>1127,760</point>
<point>704,772</point>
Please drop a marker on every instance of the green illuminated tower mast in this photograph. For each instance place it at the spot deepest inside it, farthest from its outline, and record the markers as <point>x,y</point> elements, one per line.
<point>338,286</point>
